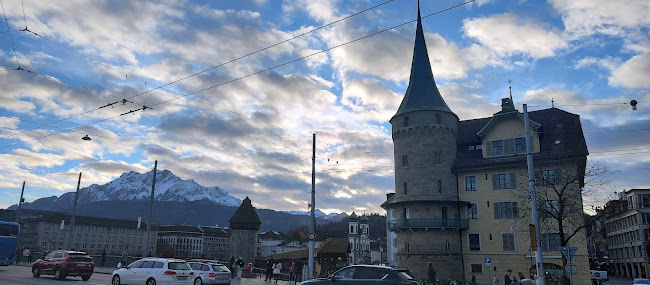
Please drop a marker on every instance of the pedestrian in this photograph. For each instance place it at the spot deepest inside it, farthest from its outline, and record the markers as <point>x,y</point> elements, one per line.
<point>521,276</point>
<point>232,266</point>
<point>473,279</point>
<point>124,259</point>
<point>277,269</point>
<point>292,267</point>
<point>240,267</point>
<point>269,270</point>
<point>103,260</point>
<point>431,273</point>
<point>298,274</point>
<point>495,280</point>
<point>27,255</point>
<point>508,279</point>
<point>18,254</point>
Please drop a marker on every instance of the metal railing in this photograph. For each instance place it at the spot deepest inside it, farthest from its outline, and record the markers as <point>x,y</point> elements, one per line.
<point>428,223</point>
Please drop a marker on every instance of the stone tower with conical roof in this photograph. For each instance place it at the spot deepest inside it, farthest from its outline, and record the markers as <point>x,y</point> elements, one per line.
<point>425,206</point>
<point>244,225</point>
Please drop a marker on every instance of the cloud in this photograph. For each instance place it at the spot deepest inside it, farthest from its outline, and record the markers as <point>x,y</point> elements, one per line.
<point>508,35</point>
<point>634,73</point>
<point>587,17</point>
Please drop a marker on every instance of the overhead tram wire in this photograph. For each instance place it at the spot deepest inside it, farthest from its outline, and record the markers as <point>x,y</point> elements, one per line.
<point>10,36</point>
<point>192,75</point>
<point>252,74</point>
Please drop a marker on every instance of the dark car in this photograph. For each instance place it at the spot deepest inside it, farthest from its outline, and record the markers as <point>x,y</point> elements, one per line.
<point>366,274</point>
<point>62,263</point>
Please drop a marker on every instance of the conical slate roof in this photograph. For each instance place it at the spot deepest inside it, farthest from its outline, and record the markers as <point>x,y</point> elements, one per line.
<point>422,93</point>
<point>245,217</point>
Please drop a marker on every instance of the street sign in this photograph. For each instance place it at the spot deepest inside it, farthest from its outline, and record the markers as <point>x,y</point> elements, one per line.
<point>488,261</point>
<point>571,269</point>
<point>533,237</point>
<point>311,236</point>
<point>569,252</point>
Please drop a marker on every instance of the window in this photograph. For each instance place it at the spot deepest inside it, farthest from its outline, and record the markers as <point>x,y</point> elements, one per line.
<point>470,183</point>
<point>551,208</point>
<point>472,211</point>
<point>407,246</point>
<point>497,147</point>
<point>520,145</point>
<point>351,229</point>
<point>439,186</point>
<point>477,268</point>
<point>437,157</point>
<point>438,119</point>
<point>550,242</point>
<point>407,213</point>
<point>471,147</point>
<point>508,242</point>
<point>405,160</point>
<point>474,242</point>
<point>405,189</point>
<point>506,210</point>
<point>548,177</point>
<point>504,181</point>
<point>406,122</point>
<point>444,213</point>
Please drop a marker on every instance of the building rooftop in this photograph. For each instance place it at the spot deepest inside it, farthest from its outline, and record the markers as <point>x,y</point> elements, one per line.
<point>245,217</point>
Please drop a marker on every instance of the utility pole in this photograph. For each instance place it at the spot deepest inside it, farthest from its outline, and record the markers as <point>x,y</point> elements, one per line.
<point>153,189</point>
<point>20,204</point>
<point>74,213</point>
<point>533,200</point>
<point>312,224</point>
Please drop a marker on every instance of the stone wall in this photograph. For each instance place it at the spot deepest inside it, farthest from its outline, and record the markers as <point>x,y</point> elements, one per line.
<point>244,244</point>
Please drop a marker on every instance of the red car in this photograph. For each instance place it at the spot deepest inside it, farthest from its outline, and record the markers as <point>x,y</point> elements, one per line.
<point>62,263</point>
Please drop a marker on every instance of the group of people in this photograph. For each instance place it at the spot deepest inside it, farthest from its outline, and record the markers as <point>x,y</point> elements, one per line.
<point>236,267</point>
<point>25,256</point>
<point>274,271</point>
<point>508,278</point>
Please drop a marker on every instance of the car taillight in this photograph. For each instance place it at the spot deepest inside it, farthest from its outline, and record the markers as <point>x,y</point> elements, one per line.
<point>211,274</point>
<point>191,272</point>
<point>169,272</point>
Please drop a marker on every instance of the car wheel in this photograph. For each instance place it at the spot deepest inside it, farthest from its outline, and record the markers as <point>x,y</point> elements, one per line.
<point>85,277</point>
<point>36,272</point>
<point>151,281</point>
<point>198,281</point>
<point>58,274</point>
<point>116,280</point>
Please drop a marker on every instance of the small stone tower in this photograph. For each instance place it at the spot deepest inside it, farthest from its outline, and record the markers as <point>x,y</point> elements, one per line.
<point>244,226</point>
<point>425,203</point>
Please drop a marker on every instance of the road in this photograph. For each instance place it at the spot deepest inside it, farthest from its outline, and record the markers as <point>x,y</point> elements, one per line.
<point>19,275</point>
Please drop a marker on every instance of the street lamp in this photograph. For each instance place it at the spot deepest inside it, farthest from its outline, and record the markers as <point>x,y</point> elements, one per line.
<point>86,138</point>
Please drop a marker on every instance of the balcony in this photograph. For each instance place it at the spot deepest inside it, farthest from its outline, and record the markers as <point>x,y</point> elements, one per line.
<point>428,224</point>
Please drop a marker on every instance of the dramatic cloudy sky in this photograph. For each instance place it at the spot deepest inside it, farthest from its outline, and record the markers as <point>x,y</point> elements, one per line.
<point>247,128</point>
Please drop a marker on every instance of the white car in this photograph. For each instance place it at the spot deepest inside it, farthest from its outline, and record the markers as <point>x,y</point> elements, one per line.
<point>154,271</point>
<point>210,273</point>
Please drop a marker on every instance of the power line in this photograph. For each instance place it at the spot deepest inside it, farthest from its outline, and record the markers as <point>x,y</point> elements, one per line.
<point>203,71</point>
<point>9,31</point>
<point>246,76</point>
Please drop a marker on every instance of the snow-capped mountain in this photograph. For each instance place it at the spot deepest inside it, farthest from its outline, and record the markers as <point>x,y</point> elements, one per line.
<point>319,214</point>
<point>137,186</point>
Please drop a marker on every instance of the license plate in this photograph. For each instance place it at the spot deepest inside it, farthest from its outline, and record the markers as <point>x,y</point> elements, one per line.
<point>181,277</point>
<point>81,264</point>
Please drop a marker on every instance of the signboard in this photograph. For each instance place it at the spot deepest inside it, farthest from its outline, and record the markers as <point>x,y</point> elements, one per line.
<point>488,261</point>
<point>569,252</point>
<point>571,269</point>
<point>311,236</point>
<point>533,237</point>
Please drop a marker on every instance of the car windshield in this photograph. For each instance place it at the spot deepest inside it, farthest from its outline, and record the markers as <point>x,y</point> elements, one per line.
<point>179,266</point>
<point>220,268</point>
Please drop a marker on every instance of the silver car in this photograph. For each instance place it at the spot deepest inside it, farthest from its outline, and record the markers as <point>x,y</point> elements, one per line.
<point>210,273</point>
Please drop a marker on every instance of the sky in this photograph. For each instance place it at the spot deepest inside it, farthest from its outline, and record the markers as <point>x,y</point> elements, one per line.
<point>234,90</point>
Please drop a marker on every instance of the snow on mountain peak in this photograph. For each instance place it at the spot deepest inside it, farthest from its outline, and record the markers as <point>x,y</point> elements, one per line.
<point>169,187</point>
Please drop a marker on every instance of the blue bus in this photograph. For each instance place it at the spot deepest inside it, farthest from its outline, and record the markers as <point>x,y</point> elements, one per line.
<point>8,242</point>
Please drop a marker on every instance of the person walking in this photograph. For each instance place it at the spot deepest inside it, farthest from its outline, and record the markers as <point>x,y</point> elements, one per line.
<point>232,266</point>
<point>298,273</point>
<point>495,280</point>
<point>269,270</point>
<point>124,259</point>
<point>240,267</point>
<point>277,269</point>
<point>27,255</point>
<point>102,262</point>
<point>508,278</point>
<point>473,279</point>
<point>431,273</point>
<point>292,267</point>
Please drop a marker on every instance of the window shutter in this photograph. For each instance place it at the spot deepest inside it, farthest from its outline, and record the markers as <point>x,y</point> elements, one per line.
<point>497,210</point>
<point>513,180</point>
<point>495,182</point>
<point>509,146</point>
<point>488,148</point>
<point>515,210</point>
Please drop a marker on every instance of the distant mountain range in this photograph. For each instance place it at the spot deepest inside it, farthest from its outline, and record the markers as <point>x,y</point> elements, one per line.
<point>178,201</point>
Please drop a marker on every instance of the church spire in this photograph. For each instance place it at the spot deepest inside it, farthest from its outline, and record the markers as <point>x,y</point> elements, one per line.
<point>422,93</point>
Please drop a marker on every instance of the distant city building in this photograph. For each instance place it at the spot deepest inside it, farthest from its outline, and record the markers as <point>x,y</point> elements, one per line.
<point>460,186</point>
<point>628,233</point>
<point>91,234</point>
<point>216,243</point>
<point>359,240</point>
<point>244,225</point>
<point>273,242</point>
<point>180,241</point>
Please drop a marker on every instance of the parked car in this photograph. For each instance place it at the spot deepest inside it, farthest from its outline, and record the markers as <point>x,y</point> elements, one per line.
<point>210,272</point>
<point>366,274</point>
<point>62,263</point>
<point>154,271</point>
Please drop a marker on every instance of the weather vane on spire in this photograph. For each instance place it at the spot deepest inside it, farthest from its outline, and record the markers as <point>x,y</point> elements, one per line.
<point>510,87</point>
